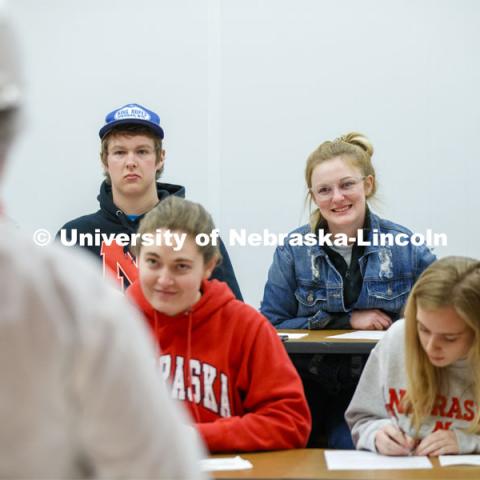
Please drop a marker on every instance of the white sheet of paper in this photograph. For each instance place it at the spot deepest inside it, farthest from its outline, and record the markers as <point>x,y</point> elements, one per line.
<point>446,460</point>
<point>360,460</point>
<point>227,463</point>
<point>361,335</point>
<point>293,336</point>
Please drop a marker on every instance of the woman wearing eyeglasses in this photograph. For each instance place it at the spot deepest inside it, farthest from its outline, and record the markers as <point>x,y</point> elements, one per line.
<point>341,284</point>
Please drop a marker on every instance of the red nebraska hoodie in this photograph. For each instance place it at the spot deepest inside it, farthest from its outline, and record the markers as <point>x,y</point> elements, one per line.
<point>226,362</point>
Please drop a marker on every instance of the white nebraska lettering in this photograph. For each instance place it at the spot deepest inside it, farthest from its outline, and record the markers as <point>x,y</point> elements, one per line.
<point>215,395</point>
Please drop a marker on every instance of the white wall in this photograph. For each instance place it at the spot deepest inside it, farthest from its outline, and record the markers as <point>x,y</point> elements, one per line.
<point>246,90</point>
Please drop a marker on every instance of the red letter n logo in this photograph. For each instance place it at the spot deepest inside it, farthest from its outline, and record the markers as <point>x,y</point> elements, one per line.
<point>442,425</point>
<point>121,264</point>
<point>395,402</point>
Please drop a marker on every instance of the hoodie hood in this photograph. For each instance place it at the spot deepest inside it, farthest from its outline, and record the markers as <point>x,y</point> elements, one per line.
<point>113,213</point>
<point>215,295</point>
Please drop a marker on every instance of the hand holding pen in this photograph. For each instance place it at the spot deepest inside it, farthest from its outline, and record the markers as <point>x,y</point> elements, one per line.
<point>441,442</point>
<point>392,440</point>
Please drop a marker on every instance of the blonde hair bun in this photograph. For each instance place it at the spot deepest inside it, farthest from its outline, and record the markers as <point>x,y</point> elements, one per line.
<point>358,139</point>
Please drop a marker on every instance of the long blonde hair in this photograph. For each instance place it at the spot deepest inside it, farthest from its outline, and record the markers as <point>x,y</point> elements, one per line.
<point>449,282</point>
<point>353,147</point>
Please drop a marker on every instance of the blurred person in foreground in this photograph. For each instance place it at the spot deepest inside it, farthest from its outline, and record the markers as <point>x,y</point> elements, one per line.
<point>80,397</point>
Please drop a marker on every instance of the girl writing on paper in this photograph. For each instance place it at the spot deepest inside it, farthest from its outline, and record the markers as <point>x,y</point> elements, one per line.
<point>223,358</point>
<point>346,280</point>
<point>420,389</point>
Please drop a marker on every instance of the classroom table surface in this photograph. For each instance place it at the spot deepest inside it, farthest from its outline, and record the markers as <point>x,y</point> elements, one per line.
<point>317,341</point>
<point>310,464</point>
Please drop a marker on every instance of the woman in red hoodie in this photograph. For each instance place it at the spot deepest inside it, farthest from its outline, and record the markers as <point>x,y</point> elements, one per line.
<point>221,357</point>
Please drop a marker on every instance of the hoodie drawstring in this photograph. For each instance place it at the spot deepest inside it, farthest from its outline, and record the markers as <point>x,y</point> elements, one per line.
<point>155,327</point>
<point>196,415</point>
<point>188,380</point>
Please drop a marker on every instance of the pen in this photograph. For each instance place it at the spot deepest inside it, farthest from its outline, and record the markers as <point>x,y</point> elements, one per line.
<point>394,420</point>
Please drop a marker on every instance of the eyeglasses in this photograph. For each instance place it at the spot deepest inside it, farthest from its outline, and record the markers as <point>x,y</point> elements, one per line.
<point>324,192</point>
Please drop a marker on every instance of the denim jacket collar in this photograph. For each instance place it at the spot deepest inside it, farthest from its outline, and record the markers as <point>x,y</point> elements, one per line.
<point>371,224</point>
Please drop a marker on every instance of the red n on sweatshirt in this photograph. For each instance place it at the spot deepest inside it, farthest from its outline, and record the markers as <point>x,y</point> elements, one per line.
<point>226,362</point>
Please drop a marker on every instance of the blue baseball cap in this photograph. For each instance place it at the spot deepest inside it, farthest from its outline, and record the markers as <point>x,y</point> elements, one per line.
<point>132,113</point>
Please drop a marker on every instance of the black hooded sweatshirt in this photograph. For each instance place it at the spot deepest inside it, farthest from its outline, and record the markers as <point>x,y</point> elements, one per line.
<point>110,220</point>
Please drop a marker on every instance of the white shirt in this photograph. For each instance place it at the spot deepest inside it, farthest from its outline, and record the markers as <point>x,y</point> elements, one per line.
<point>79,394</point>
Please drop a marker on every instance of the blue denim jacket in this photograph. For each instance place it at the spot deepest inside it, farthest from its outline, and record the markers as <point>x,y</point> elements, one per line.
<point>304,289</point>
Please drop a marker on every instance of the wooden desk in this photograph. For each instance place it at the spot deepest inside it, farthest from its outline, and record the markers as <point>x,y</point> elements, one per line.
<point>317,342</point>
<point>310,464</point>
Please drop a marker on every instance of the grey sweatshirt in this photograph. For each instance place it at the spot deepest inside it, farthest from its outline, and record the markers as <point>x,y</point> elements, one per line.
<point>382,386</point>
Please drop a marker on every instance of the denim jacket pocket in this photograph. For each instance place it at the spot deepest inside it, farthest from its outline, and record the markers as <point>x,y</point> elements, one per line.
<point>389,295</point>
<point>310,299</point>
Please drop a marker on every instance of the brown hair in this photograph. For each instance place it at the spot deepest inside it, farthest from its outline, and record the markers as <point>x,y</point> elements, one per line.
<point>449,282</point>
<point>178,214</point>
<point>131,130</point>
<point>353,147</point>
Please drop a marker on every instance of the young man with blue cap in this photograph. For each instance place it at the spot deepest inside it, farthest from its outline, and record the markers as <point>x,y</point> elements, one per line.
<point>132,158</point>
